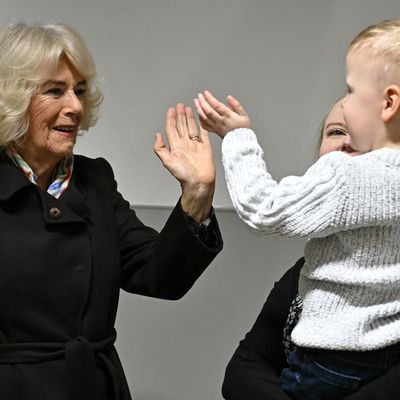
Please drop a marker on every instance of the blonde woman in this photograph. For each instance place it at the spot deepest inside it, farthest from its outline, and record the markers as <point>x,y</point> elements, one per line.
<point>69,241</point>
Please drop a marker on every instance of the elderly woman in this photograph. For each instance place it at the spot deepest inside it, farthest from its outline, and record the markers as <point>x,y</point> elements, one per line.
<point>69,240</point>
<point>254,370</point>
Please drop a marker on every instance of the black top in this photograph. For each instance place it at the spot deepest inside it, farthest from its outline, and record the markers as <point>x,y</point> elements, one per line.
<point>254,370</point>
<point>63,263</point>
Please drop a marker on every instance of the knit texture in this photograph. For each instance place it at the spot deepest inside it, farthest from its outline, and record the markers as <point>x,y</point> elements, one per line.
<point>349,209</point>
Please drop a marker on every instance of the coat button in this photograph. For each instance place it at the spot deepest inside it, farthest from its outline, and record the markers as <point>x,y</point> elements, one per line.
<point>54,213</point>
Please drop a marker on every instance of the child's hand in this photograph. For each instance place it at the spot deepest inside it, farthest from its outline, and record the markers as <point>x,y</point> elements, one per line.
<point>216,117</point>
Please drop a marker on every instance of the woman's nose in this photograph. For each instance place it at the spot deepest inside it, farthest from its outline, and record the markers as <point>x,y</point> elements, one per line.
<point>73,103</point>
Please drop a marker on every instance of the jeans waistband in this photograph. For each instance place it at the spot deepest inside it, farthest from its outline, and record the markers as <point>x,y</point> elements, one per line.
<point>384,357</point>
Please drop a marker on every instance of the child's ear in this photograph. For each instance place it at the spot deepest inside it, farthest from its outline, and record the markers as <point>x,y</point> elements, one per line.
<point>392,103</point>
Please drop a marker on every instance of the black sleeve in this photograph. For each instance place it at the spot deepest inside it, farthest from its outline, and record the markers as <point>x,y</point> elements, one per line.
<point>166,264</point>
<point>208,234</point>
<point>253,371</point>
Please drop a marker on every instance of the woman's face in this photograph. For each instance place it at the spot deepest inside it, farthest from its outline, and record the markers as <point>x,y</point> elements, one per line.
<point>55,114</point>
<point>335,134</point>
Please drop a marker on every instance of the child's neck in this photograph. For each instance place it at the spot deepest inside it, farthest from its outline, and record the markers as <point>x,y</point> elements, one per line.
<point>391,144</point>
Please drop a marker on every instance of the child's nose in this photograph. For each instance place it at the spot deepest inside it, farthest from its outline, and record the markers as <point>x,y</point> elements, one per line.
<point>346,147</point>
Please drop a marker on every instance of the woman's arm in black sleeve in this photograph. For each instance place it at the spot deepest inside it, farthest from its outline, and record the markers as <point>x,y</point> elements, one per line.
<point>166,264</point>
<point>253,371</point>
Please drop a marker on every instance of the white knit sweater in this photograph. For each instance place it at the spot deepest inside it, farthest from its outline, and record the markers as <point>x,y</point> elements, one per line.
<point>349,208</point>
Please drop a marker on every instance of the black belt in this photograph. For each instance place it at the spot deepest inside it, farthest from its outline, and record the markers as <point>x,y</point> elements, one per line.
<point>80,356</point>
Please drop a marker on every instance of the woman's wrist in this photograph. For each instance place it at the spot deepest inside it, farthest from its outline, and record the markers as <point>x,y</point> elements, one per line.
<point>196,201</point>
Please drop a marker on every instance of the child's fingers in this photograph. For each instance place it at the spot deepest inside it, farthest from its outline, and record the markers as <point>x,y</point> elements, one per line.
<point>209,111</point>
<point>219,107</point>
<point>199,109</point>
<point>236,106</point>
<point>203,120</point>
<point>205,125</point>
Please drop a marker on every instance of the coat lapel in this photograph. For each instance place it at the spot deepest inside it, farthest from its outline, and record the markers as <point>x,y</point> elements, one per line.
<point>76,201</point>
<point>70,207</point>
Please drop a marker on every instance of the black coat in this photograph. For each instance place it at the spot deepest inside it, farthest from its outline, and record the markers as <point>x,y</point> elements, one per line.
<point>62,264</point>
<point>254,370</point>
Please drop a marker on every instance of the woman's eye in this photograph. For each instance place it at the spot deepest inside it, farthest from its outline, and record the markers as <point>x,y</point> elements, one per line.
<point>336,132</point>
<point>80,92</point>
<point>55,92</point>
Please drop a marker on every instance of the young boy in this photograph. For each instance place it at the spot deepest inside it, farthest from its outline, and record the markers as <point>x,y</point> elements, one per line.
<point>349,207</point>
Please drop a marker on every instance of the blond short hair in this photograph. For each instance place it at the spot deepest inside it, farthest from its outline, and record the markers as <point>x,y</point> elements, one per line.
<point>383,39</point>
<point>25,50</point>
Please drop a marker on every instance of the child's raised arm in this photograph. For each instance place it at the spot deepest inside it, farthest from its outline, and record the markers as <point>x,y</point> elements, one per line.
<point>216,117</point>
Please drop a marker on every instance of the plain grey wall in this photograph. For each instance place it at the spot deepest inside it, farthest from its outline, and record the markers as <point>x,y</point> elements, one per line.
<point>179,350</point>
<point>284,59</point>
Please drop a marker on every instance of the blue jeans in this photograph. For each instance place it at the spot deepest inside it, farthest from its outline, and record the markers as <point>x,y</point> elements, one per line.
<point>316,374</point>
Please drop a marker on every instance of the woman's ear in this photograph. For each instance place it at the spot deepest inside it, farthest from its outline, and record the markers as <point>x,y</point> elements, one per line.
<point>392,103</point>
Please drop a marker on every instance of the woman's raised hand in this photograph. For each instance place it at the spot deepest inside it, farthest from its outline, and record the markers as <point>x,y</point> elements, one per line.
<point>188,156</point>
<point>216,117</point>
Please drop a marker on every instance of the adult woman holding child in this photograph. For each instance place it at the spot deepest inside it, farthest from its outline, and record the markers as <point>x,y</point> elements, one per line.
<point>69,240</point>
<point>254,370</point>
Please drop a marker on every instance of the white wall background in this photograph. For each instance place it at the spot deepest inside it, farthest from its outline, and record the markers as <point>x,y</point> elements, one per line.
<point>284,59</point>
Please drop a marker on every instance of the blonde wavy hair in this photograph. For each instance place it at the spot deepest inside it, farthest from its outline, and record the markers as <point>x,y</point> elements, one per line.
<point>27,53</point>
